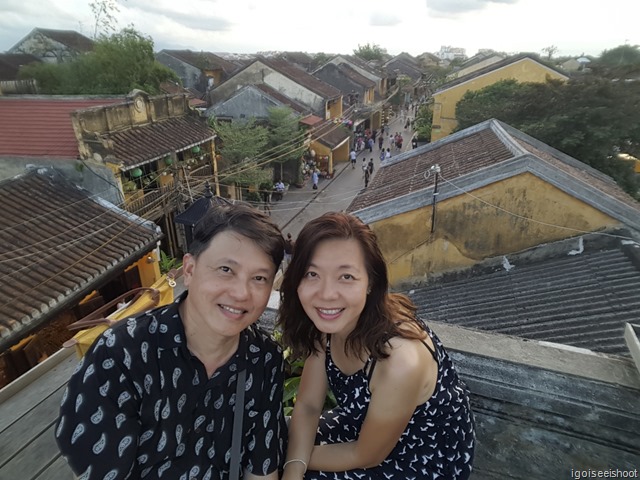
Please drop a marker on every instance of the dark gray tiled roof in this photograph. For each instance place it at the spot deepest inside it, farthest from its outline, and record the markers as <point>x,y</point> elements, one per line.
<point>58,244</point>
<point>581,300</point>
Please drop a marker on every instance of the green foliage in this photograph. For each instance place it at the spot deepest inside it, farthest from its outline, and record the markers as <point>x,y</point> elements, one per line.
<point>591,119</point>
<point>619,62</point>
<point>321,58</point>
<point>118,64</point>
<point>104,12</point>
<point>293,372</point>
<point>285,140</point>
<point>167,263</point>
<point>423,121</point>
<point>370,51</point>
<point>241,141</point>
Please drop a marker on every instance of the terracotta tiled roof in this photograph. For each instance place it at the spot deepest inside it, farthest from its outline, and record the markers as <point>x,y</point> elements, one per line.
<point>473,155</point>
<point>57,244</point>
<point>10,64</point>
<point>41,126</point>
<point>172,88</point>
<point>311,120</point>
<point>314,84</point>
<point>466,155</point>
<point>203,60</point>
<point>331,135</point>
<point>145,143</point>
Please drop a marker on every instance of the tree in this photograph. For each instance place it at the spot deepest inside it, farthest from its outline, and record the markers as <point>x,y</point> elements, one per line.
<point>104,15</point>
<point>370,51</point>
<point>241,141</point>
<point>591,119</point>
<point>619,62</point>
<point>551,50</point>
<point>285,141</point>
<point>118,64</point>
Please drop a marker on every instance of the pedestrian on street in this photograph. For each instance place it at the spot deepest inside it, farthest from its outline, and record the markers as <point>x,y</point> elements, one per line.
<point>366,178</point>
<point>352,157</point>
<point>364,166</point>
<point>380,142</point>
<point>314,179</point>
<point>370,167</point>
<point>388,153</point>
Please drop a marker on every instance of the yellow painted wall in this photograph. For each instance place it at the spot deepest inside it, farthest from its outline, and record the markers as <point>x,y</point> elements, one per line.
<point>148,268</point>
<point>469,231</point>
<point>335,108</point>
<point>444,110</point>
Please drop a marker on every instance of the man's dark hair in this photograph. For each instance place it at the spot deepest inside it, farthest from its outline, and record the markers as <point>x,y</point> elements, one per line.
<point>243,220</point>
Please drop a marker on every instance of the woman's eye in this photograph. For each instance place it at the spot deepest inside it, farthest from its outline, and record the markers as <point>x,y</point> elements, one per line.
<point>347,276</point>
<point>310,274</point>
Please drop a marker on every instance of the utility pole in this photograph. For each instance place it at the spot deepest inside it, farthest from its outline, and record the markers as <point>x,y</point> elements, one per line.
<point>436,169</point>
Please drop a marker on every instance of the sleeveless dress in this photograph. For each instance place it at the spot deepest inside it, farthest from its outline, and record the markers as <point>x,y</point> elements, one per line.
<point>438,442</point>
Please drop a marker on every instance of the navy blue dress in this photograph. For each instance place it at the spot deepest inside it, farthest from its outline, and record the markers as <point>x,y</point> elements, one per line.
<point>438,442</point>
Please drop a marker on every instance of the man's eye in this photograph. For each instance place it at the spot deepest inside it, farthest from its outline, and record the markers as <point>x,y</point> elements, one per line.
<point>261,278</point>
<point>225,269</point>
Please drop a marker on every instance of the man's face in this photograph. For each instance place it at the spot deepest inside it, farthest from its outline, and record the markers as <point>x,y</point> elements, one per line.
<point>229,285</point>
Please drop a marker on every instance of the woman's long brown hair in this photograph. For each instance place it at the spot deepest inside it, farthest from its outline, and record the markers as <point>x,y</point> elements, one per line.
<point>383,311</point>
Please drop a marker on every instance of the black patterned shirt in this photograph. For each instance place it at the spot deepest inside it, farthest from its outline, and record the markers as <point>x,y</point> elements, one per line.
<point>140,405</point>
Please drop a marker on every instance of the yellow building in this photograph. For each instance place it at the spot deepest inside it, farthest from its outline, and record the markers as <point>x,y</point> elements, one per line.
<point>521,68</point>
<point>499,192</point>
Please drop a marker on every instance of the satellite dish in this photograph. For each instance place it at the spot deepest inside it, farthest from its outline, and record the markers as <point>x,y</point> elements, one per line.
<point>97,157</point>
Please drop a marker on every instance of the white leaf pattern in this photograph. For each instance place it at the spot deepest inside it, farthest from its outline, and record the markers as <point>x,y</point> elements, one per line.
<point>176,375</point>
<point>199,445</point>
<point>124,443</point>
<point>120,419</point>
<point>77,433</point>
<point>181,401</point>
<point>96,418</point>
<point>100,444</point>
<point>88,372</point>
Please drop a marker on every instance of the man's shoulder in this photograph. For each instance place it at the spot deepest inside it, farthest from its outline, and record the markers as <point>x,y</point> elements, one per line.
<point>259,337</point>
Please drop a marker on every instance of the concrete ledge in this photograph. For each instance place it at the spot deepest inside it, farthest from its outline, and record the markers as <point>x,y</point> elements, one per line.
<point>549,356</point>
<point>631,333</point>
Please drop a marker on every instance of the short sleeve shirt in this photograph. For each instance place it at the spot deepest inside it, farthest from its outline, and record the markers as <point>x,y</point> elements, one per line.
<point>140,405</point>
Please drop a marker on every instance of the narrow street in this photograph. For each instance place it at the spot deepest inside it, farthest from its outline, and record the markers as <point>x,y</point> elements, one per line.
<point>300,205</point>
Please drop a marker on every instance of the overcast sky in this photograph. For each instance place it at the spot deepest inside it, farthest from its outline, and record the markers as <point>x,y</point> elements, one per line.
<point>339,26</point>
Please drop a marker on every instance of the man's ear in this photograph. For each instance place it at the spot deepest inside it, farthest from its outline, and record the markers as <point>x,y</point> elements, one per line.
<point>188,265</point>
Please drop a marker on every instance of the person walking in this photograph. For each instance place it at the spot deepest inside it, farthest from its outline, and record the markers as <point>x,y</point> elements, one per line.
<point>364,166</point>
<point>367,176</point>
<point>370,167</point>
<point>352,156</point>
<point>314,179</point>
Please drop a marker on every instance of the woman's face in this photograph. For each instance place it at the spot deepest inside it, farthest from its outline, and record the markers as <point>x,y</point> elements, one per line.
<point>333,291</point>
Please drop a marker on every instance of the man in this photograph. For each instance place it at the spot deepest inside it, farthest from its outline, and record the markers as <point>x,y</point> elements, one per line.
<point>314,179</point>
<point>280,188</point>
<point>155,395</point>
<point>352,157</point>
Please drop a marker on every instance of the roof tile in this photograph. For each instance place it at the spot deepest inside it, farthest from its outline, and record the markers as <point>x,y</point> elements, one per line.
<point>57,244</point>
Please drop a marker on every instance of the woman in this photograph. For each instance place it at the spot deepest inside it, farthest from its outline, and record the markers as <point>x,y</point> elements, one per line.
<point>402,411</point>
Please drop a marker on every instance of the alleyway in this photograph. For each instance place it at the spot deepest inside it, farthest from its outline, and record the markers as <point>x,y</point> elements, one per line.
<point>303,204</point>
